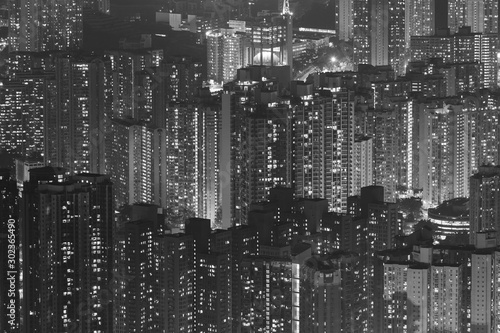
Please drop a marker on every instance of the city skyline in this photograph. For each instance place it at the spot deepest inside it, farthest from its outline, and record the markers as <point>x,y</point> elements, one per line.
<point>250,166</point>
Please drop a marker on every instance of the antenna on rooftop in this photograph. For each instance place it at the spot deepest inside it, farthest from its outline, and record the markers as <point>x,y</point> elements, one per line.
<point>286,8</point>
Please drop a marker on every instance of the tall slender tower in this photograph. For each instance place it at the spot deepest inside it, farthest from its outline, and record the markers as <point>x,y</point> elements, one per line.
<point>289,33</point>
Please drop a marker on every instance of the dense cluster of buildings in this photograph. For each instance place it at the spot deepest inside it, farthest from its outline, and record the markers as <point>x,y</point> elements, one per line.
<point>295,265</point>
<point>384,32</point>
<point>157,193</point>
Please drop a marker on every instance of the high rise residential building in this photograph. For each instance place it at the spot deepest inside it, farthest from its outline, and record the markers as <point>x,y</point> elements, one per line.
<point>174,164</point>
<point>444,158</point>
<point>67,227</point>
<point>214,293</point>
<point>481,15</point>
<point>324,139</point>
<point>28,62</point>
<point>445,297</point>
<point>461,77</point>
<point>394,292</point>
<point>231,141</point>
<point>136,257</point>
<point>182,77</point>
<point>423,297</point>
<point>397,47</point>
<point>147,99</point>
<point>269,151</point>
<point>489,22</point>
<point>379,33</point>
<point>441,288</point>
<point>386,153</point>
<point>475,11</point>
<point>387,88</point>
<point>262,218</point>
<point>30,243</point>
<point>362,174</point>
<point>388,37</point>
<point>384,220</point>
<point>393,152</point>
<point>307,214</point>
<point>462,47</point>
<point>131,161</point>
<point>22,108</point>
<point>383,225</point>
<point>57,109</point>
<point>439,45</point>
<point>382,30</point>
<point>420,17</point>
<point>76,116</point>
<point>204,270</point>
<point>192,165</point>
<point>485,201</point>
<point>344,232</point>
<point>457,14</point>
<point>25,100</point>
<point>485,286</point>
<point>184,171</point>
<point>37,26</point>
<point>172,274</point>
<point>211,180</point>
<point>237,242</point>
<point>195,277</point>
<point>131,78</point>
<point>178,284</point>
<point>361,31</point>
<point>136,292</point>
<point>267,303</point>
<point>225,54</point>
<point>406,143</point>
<point>484,114</point>
<point>479,47</point>
<point>148,165</point>
<point>253,106</point>
<point>300,253</point>
<point>330,294</point>
<point>344,19</point>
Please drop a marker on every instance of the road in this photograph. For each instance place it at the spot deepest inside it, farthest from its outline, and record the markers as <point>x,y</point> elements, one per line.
<point>302,76</point>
